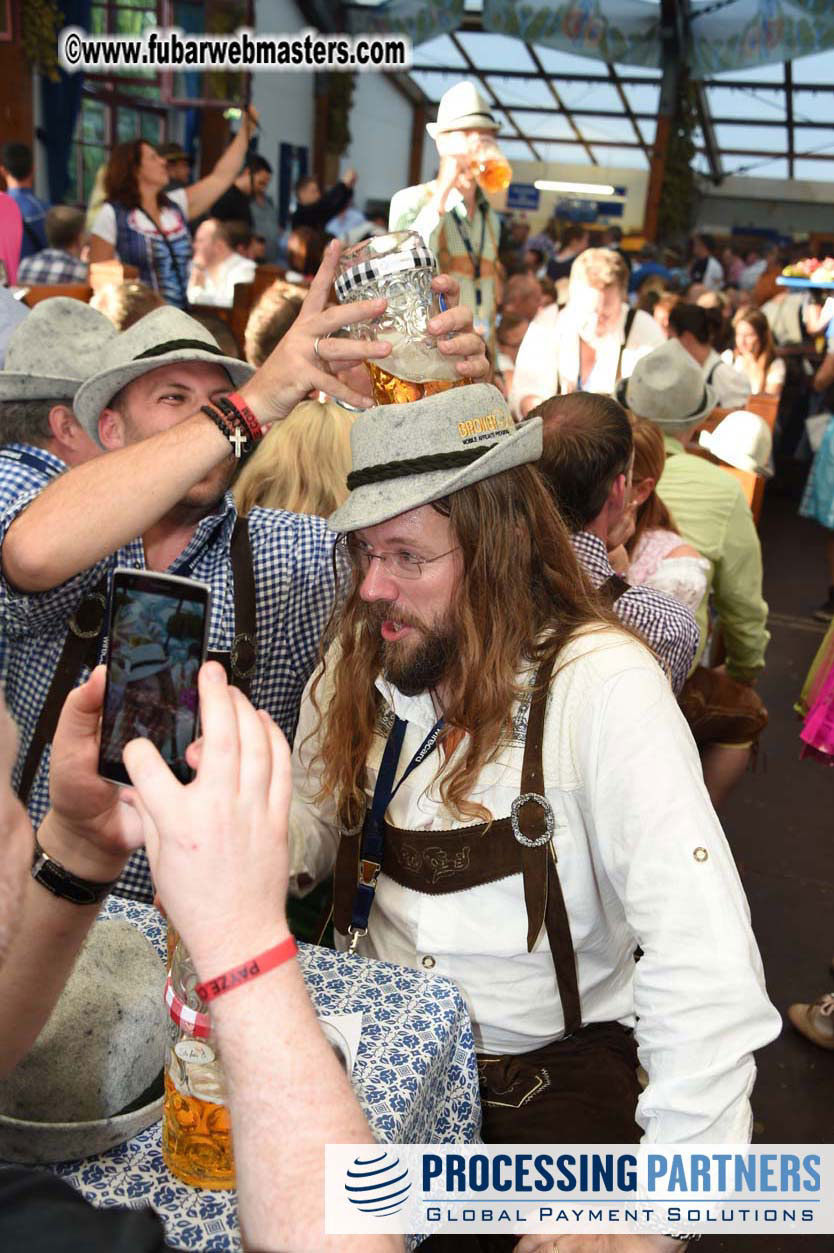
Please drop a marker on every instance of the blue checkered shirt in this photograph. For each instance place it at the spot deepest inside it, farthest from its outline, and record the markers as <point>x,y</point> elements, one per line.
<point>295,591</point>
<point>666,625</point>
<point>51,265</point>
<point>23,469</point>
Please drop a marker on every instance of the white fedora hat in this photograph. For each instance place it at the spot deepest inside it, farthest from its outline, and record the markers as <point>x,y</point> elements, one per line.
<point>53,350</point>
<point>404,456</point>
<point>667,387</point>
<point>743,440</point>
<point>159,338</point>
<point>462,108</point>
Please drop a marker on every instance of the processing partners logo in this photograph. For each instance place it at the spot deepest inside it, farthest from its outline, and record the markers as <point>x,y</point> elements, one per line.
<point>378,1183</point>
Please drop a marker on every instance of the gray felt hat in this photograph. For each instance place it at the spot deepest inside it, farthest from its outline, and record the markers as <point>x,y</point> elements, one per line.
<point>53,350</point>
<point>404,456</point>
<point>667,387</point>
<point>159,338</point>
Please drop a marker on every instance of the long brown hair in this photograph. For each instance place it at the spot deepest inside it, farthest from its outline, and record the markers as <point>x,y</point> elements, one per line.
<point>521,597</point>
<point>767,350</point>
<point>649,462</point>
<point>121,174</point>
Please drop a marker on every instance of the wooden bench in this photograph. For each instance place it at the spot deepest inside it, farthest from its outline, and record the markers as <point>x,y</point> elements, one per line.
<point>45,291</point>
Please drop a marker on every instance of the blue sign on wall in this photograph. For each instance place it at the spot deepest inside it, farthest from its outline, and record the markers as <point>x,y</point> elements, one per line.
<point>523,196</point>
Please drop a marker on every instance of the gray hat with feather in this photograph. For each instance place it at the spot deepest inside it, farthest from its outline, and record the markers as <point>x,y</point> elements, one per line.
<point>53,350</point>
<point>405,456</point>
<point>160,338</point>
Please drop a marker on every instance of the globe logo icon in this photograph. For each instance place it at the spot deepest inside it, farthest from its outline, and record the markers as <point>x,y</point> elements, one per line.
<point>378,1183</point>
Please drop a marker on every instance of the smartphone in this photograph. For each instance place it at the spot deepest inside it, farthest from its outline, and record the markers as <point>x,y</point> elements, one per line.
<point>157,636</point>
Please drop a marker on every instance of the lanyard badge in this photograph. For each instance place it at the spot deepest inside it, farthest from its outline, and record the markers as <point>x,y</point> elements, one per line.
<point>373,829</point>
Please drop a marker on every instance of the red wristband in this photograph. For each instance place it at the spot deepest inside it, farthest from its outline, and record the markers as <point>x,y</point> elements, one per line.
<point>248,418</point>
<point>248,970</point>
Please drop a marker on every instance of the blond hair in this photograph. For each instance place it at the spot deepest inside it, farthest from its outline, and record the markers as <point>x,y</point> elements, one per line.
<point>599,267</point>
<point>302,464</point>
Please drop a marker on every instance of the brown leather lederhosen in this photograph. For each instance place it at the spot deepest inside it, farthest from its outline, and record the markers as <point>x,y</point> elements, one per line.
<point>443,862</point>
<point>82,646</point>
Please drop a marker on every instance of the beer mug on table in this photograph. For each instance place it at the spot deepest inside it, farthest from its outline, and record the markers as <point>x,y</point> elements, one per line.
<point>489,167</point>
<point>400,267</point>
<point>196,1121</point>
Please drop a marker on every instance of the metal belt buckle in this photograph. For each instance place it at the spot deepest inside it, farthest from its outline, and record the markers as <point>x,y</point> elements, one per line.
<point>244,654</point>
<point>86,607</point>
<point>356,934</point>
<point>549,820</point>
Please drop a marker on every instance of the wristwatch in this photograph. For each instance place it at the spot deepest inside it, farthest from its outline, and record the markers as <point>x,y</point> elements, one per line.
<point>62,882</point>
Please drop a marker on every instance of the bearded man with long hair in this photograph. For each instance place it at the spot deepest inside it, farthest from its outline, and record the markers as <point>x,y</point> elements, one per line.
<point>501,777</point>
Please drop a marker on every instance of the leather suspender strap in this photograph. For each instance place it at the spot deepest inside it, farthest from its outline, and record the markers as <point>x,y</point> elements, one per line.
<point>239,662</point>
<point>629,322</point>
<point>81,648</point>
<point>542,889</point>
<point>612,589</point>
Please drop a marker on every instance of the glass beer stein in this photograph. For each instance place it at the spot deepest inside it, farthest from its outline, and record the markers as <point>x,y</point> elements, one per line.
<point>399,267</point>
<point>490,168</point>
<point>196,1122</point>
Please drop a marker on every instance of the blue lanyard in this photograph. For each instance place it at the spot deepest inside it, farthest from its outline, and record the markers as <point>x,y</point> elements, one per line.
<point>373,828</point>
<point>462,224</point>
<point>31,458</point>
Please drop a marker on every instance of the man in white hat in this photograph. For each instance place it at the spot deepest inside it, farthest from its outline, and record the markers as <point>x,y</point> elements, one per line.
<point>49,354</point>
<point>511,798</point>
<point>164,406</point>
<point>452,213</point>
<point>712,514</point>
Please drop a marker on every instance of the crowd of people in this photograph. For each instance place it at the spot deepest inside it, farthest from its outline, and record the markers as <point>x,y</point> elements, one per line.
<point>501,617</point>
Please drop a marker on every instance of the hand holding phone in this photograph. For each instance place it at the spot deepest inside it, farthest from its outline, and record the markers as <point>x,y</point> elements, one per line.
<point>157,638</point>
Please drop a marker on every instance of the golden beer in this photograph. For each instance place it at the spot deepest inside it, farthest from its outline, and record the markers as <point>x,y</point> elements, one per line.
<point>389,389</point>
<point>493,173</point>
<point>196,1139</point>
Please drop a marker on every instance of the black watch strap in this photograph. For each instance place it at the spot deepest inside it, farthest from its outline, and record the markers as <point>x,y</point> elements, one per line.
<point>61,882</point>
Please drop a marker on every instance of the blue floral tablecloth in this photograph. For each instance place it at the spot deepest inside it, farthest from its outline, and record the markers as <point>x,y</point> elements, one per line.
<point>415,1077</point>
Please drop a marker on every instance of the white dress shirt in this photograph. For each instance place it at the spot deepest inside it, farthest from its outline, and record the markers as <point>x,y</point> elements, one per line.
<point>219,288</point>
<point>548,359</point>
<point>642,860</point>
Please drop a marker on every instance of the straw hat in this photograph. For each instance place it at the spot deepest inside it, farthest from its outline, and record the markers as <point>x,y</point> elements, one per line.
<point>159,338</point>
<point>462,108</point>
<point>667,387</point>
<point>743,440</point>
<point>404,456</point>
<point>53,350</point>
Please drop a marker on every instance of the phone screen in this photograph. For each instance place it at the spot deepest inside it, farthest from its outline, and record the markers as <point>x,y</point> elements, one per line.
<point>157,638</point>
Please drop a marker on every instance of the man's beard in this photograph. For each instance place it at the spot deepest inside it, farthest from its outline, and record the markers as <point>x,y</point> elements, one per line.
<point>416,666</point>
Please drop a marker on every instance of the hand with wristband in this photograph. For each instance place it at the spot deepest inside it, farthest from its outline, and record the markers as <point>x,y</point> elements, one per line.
<point>218,851</point>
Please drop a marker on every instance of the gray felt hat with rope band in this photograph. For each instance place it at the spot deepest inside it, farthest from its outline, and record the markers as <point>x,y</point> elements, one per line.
<point>164,337</point>
<point>58,345</point>
<point>405,456</point>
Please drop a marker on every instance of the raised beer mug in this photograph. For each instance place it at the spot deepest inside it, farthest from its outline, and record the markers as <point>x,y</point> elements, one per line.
<point>196,1122</point>
<point>399,267</point>
<point>490,168</point>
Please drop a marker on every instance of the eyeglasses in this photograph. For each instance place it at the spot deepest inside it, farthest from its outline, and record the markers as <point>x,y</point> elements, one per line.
<point>402,564</point>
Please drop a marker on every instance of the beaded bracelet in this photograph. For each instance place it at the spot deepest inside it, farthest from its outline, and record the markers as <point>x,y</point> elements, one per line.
<point>235,407</point>
<point>237,435</point>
